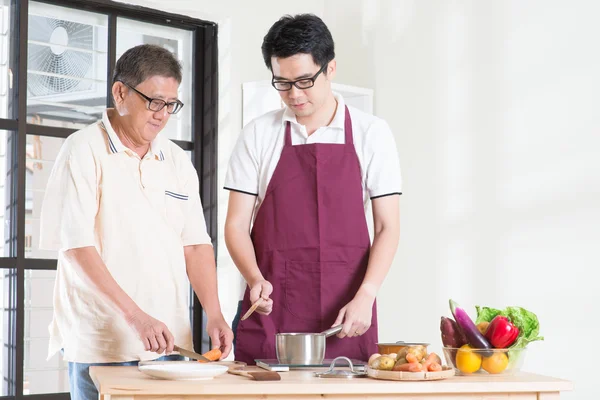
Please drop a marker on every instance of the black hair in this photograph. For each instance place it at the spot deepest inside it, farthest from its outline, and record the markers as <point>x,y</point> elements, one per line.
<point>144,61</point>
<point>302,33</point>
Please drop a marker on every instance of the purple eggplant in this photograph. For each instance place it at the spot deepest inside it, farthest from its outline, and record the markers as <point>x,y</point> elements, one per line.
<point>474,337</point>
<point>452,335</point>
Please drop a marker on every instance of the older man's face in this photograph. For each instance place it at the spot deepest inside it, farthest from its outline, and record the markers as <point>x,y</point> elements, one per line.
<point>145,124</point>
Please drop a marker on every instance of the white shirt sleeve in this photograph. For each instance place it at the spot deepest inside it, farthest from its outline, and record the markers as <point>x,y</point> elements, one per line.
<point>70,202</point>
<point>242,173</point>
<point>383,176</point>
<point>194,230</point>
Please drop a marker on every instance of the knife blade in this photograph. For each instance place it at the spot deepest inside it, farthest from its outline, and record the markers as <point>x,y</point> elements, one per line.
<point>190,354</point>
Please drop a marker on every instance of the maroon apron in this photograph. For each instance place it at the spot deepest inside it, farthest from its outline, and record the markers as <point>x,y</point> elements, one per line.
<point>312,243</point>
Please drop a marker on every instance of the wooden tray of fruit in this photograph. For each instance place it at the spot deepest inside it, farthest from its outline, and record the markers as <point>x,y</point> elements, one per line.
<point>409,364</point>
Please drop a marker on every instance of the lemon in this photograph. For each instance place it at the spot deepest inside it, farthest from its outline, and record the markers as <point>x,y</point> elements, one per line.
<point>495,364</point>
<point>467,361</point>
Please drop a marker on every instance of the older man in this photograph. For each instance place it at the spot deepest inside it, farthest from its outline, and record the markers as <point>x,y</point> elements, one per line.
<point>122,207</point>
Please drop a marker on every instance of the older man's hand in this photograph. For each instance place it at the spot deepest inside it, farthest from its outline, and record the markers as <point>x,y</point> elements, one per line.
<point>154,334</point>
<point>220,334</point>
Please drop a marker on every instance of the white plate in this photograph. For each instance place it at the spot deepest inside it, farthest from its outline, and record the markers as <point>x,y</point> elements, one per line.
<point>181,370</point>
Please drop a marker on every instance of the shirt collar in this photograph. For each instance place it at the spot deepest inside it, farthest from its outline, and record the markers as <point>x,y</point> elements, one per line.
<point>156,149</point>
<point>337,121</point>
<point>116,146</point>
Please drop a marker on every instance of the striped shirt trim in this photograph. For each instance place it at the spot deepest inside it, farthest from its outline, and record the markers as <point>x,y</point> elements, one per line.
<point>111,145</point>
<point>239,191</point>
<point>385,195</point>
<point>176,195</point>
<point>113,149</point>
<point>160,156</point>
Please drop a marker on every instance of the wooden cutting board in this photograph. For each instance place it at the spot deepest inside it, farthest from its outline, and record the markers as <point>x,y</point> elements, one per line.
<point>445,373</point>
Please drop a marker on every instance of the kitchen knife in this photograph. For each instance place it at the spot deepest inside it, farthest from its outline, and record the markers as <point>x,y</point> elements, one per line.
<point>190,354</point>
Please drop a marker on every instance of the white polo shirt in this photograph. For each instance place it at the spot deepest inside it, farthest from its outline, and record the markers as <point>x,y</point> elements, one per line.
<point>139,214</point>
<point>260,144</point>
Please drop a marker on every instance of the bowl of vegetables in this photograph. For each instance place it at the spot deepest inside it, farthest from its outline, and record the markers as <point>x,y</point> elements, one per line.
<point>495,343</point>
<point>467,360</point>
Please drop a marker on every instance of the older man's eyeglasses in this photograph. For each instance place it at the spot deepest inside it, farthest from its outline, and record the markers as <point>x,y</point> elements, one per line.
<point>304,83</point>
<point>158,104</point>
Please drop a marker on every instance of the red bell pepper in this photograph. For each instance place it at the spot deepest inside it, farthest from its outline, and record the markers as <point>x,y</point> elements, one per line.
<point>501,332</point>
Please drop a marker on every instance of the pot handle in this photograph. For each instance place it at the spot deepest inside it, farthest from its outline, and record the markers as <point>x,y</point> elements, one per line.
<point>332,331</point>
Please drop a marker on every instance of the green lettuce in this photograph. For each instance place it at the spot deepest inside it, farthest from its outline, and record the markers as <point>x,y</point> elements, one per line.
<point>526,321</point>
<point>486,314</point>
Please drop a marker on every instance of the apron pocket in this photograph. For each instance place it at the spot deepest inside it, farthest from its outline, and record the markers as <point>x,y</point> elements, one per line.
<point>341,282</point>
<point>312,288</point>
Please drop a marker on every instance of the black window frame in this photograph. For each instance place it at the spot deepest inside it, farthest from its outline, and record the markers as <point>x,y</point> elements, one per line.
<point>203,145</point>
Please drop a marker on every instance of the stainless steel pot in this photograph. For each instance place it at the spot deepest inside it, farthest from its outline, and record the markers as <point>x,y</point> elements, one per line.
<point>303,348</point>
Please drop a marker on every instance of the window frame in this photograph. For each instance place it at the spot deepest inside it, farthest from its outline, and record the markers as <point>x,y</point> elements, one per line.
<point>203,145</point>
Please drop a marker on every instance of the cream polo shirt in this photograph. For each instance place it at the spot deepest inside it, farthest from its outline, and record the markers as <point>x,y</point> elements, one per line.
<point>259,147</point>
<point>139,214</point>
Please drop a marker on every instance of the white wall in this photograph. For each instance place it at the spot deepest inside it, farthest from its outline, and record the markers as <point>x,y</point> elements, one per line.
<point>493,108</point>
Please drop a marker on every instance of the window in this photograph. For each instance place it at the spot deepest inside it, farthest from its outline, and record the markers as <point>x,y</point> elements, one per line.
<point>56,63</point>
<point>67,52</point>
<point>7,39</point>
<point>41,151</point>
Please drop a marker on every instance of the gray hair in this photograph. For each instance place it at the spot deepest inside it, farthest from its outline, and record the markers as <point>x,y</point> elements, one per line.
<point>144,61</point>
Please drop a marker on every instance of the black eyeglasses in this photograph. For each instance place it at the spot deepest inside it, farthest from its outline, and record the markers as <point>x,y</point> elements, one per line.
<point>304,83</point>
<point>158,104</point>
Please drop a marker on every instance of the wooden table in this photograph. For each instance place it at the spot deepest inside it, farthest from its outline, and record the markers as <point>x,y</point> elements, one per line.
<point>127,383</point>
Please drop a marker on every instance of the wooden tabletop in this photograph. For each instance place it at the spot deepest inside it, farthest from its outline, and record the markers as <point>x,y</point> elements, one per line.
<point>119,381</point>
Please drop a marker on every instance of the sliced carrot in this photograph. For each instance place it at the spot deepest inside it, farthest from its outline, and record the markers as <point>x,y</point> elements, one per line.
<point>212,355</point>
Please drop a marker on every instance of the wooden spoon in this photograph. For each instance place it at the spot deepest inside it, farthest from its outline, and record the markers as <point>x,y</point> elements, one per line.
<point>252,308</point>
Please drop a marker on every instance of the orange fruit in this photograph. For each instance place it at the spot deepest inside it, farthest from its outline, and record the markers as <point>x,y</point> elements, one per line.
<point>495,363</point>
<point>467,361</point>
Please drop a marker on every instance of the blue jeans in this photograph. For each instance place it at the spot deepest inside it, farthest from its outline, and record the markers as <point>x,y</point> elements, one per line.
<point>236,321</point>
<point>80,382</point>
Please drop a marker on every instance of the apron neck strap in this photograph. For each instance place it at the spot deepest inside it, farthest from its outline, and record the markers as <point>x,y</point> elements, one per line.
<point>288,135</point>
<point>348,137</point>
<point>349,141</point>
